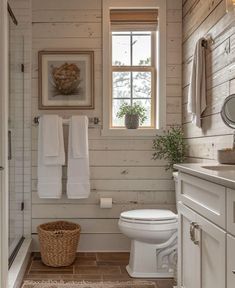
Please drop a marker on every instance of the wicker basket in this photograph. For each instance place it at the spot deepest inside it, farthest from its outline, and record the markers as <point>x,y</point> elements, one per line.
<point>58,242</point>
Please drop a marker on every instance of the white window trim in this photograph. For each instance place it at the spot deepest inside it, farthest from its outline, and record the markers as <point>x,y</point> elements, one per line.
<point>161,67</point>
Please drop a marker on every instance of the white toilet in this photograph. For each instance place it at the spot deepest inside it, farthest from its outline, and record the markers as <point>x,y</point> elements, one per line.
<point>153,234</point>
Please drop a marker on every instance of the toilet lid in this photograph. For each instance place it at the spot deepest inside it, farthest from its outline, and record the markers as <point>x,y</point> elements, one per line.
<point>149,215</point>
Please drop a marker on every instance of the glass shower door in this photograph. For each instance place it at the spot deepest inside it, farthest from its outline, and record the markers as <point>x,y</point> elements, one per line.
<point>16,137</point>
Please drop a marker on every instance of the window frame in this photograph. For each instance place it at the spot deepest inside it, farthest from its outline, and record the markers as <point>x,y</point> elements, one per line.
<point>134,68</point>
<point>160,102</point>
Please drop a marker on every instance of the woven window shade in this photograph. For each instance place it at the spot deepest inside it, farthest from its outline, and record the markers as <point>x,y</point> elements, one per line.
<point>134,18</point>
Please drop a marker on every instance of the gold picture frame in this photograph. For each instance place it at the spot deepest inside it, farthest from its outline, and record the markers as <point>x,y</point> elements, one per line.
<point>66,80</point>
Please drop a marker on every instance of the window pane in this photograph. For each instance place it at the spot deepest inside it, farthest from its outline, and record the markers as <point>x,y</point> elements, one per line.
<point>121,84</point>
<point>121,50</point>
<point>141,46</point>
<point>141,84</point>
<point>116,106</point>
<point>146,103</point>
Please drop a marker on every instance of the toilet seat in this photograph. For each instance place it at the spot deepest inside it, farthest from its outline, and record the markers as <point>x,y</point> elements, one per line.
<point>149,216</point>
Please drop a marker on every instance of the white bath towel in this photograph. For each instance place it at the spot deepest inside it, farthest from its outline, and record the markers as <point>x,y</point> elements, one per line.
<point>50,162</point>
<point>78,180</point>
<point>197,88</point>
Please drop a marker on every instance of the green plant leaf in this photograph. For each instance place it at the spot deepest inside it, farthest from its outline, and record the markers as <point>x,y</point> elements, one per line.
<point>134,109</point>
<point>170,147</point>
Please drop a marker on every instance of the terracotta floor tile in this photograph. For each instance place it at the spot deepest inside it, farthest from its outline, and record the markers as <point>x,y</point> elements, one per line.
<point>91,267</point>
<point>165,283</point>
<point>39,266</point>
<point>116,277</point>
<point>113,259</point>
<point>86,255</point>
<point>112,256</point>
<point>103,270</point>
<point>84,262</point>
<point>111,263</point>
<point>123,271</point>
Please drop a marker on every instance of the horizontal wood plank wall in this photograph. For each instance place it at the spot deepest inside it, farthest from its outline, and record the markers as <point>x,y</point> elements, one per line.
<point>120,168</point>
<point>203,18</point>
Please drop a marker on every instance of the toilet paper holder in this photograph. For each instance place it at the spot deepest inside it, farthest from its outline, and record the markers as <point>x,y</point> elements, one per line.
<point>106,203</point>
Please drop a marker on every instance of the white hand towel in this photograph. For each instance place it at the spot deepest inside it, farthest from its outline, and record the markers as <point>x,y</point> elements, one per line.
<point>52,129</point>
<point>78,182</point>
<point>50,167</point>
<point>79,136</point>
<point>197,88</point>
<point>50,135</point>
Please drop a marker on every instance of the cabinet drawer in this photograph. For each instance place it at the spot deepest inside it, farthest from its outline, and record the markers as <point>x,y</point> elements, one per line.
<point>231,211</point>
<point>231,262</point>
<point>206,198</point>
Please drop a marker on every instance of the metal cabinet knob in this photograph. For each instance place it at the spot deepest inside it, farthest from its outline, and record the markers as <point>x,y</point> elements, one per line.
<point>233,271</point>
<point>1,168</point>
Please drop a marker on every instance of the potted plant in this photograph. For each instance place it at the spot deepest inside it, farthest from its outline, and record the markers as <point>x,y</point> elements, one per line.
<point>170,146</point>
<point>134,115</point>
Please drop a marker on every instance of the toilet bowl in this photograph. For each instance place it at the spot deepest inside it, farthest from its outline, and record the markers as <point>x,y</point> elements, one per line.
<point>153,234</point>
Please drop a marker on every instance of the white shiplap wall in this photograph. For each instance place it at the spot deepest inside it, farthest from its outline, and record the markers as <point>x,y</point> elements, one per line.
<point>201,18</point>
<point>120,168</point>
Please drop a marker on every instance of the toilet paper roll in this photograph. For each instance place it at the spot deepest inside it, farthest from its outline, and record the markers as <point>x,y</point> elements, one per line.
<point>106,203</point>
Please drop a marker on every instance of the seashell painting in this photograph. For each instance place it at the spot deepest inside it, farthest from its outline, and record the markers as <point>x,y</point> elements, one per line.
<point>66,80</point>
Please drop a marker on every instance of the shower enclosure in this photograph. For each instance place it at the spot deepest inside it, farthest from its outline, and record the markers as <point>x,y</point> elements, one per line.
<point>15,135</point>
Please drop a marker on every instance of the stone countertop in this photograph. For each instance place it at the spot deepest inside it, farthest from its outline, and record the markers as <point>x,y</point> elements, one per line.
<point>221,174</point>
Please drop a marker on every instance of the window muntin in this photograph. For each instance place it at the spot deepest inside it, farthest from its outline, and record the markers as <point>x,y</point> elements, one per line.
<point>133,73</point>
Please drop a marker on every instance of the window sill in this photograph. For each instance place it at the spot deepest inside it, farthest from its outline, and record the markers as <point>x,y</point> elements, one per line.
<point>122,132</point>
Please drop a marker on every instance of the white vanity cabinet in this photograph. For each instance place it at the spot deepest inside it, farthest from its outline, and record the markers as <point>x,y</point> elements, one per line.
<point>202,251</point>
<point>206,256</point>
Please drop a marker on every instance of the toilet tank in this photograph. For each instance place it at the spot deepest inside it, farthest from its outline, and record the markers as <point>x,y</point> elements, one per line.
<point>175,176</point>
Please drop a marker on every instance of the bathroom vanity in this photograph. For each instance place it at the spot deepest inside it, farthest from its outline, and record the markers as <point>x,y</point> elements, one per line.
<point>206,208</point>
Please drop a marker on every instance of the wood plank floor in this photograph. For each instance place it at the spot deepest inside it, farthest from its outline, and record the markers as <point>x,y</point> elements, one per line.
<point>88,267</point>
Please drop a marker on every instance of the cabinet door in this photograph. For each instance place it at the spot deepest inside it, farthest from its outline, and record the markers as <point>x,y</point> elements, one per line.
<point>212,242</point>
<point>188,252</point>
<point>202,249</point>
<point>231,262</point>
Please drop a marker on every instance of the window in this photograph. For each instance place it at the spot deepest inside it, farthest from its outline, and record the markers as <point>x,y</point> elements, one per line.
<point>133,44</point>
<point>134,63</point>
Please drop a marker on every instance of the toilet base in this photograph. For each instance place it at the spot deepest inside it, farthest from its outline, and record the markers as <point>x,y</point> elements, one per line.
<point>152,260</point>
<point>149,275</point>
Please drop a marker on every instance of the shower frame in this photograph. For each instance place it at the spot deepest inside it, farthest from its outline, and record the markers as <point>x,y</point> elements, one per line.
<point>15,236</point>
<point>3,147</point>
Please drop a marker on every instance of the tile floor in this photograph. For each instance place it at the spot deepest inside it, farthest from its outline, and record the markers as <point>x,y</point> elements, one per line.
<point>88,267</point>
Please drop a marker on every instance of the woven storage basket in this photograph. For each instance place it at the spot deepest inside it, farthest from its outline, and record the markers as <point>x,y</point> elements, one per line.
<point>58,242</point>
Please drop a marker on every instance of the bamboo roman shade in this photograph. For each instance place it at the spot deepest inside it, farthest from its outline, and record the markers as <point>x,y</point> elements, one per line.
<point>134,17</point>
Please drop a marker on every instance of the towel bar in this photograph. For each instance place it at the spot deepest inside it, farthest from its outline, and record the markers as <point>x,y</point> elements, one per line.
<point>93,120</point>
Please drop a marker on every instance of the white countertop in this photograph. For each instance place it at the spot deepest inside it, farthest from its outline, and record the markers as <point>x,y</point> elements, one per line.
<point>224,177</point>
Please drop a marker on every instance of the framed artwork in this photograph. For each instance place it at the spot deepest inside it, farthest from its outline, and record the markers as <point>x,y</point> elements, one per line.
<point>66,80</point>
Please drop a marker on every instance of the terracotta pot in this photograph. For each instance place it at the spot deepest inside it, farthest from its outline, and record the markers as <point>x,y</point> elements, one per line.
<point>131,121</point>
